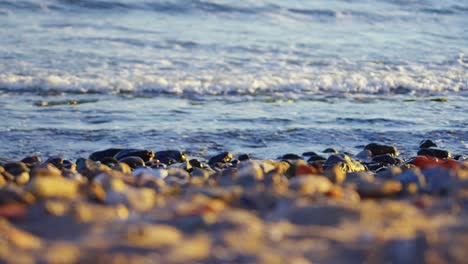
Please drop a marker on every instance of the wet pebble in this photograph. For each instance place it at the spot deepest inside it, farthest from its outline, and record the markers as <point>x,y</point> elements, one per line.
<point>436,153</point>
<point>427,143</point>
<point>220,158</point>
<point>170,156</point>
<point>133,161</point>
<point>379,149</point>
<point>144,154</point>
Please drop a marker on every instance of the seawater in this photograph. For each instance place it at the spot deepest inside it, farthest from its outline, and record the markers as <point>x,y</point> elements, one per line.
<point>262,77</point>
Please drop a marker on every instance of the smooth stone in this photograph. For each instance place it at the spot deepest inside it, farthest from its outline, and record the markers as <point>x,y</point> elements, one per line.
<point>364,155</point>
<point>309,154</point>
<point>330,150</point>
<point>32,160</point>
<point>201,173</point>
<point>196,164</point>
<point>156,173</point>
<point>107,153</point>
<point>144,154</point>
<point>133,161</point>
<point>90,168</point>
<point>378,149</point>
<point>220,158</point>
<point>336,174</point>
<point>460,157</point>
<point>16,168</point>
<point>291,156</point>
<point>321,215</point>
<point>359,176</point>
<point>347,163</point>
<point>436,153</point>
<point>153,235</point>
<point>184,165</point>
<point>386,159</point>
<point>243,157</point>
<point>46,170</point>
<point>316,158</point>
<point>378,188</point>
<point>122,167</point>
<point>310,185</point>
<point>73,175</point>
<point>45,187</point>
<point>109,161</point>
<point>427,143</point>
<point>389,173</point>
<point>167,155</point>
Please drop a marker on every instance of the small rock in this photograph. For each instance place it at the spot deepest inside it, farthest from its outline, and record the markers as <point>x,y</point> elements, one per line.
<point>439,180</point>
<point>90,169</point>
<point>122,167</point>
<point>133,161</point>
<point>346,163</point>
<point>291,156</point>
<point>243,157</point>
<point>108,153</point>
<point>168,155</point>
<point>310,185</point>
<point>386,159</point>
<point>45,187</point>
<point>153,235</point>
<point>378,149</point>
<point>389,173</point>
<point>46,170</point>
<point>144,154</point>
<point>378,188</point>
<point>196,164</point>
<point>220,158</point>
<point>316,158</point>
<point>32,160</point>
<point>436,153</point>
<point>427,143</point>
<point>330,150</point>
<point>412,176</point>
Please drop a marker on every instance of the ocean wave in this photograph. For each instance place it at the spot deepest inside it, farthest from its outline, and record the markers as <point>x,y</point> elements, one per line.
<point>292,85</point>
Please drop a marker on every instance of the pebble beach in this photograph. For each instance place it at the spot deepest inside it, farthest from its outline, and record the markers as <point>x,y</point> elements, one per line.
<point>142,206</point>
<point>223,131</point>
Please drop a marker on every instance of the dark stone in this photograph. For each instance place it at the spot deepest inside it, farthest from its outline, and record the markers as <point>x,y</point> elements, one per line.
<point>427,143</point>
<point>196,164</point>
<point>378,149</point>
<point>144,154</point>
<point>170,156</point>
<point>331,150</point>
<point>243,157</point>
<point>108,153</point>
<point>109,161</point>
<point>316,158</point>
<point>16,168</point>
<point>291,156</point>
<point>373,166</point>
<point>309,154</point>
<point>56,161</point>
<point>386,159</point>
<point>133,161</point>
<point>31,160</point>
<point>90,168</point>
<point>436,153</point>
<point>220,158</point>
<point>460,157</point>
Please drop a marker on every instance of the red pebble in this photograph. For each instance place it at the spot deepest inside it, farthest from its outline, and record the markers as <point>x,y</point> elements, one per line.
<point>13,211</point>
<point>424,162</point>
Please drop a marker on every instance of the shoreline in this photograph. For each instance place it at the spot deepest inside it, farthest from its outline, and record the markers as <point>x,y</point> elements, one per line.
<point>135,205</point>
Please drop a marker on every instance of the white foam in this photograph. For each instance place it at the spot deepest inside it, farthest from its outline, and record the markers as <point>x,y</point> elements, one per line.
<point>367,79</point>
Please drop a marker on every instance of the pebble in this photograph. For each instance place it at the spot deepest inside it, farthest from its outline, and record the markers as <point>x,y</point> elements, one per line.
<point>330,150</point>
<point>90,169</point>
<point>122,167</point>
<point>46,187</point>
<point>386,159</point>
<point>310,185</point>
<point>133,161</point>
<point>321,215</point>
<point>144,154</point>
<point>153,235</point>
<point>427,143</point>
<point>32,160</point>
<point>291,156</point>
<point>220,158</point>
<point>243,157</point>
<point>378,188</point>
<point>436,153</point>
<point>46,170</point>
<point>169,156</point>
<point>346,163</point>
<point>378,149</point>
<point>107,153</point>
